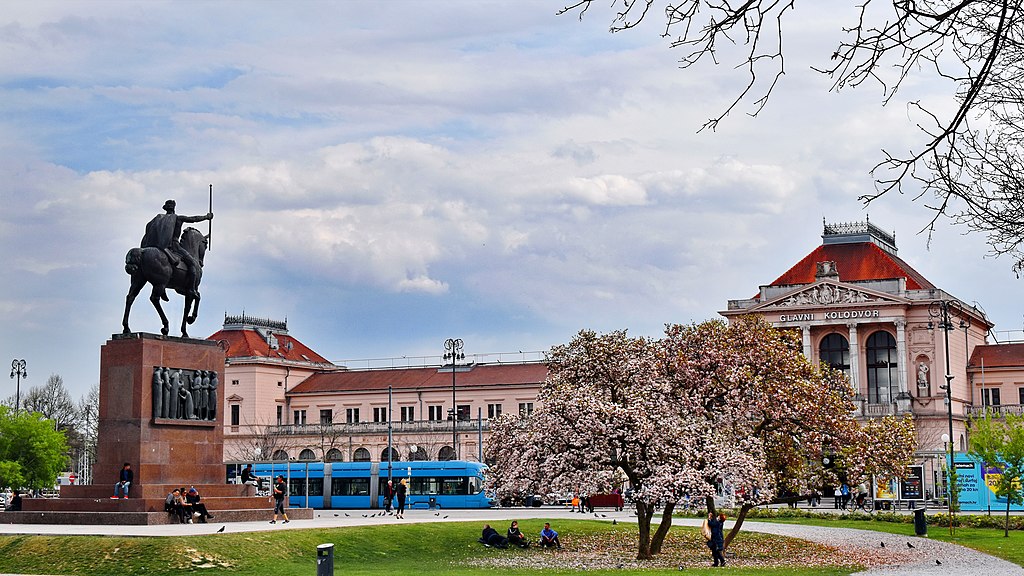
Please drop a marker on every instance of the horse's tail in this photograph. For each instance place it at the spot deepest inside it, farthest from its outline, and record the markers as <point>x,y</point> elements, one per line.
<point>132,261</point>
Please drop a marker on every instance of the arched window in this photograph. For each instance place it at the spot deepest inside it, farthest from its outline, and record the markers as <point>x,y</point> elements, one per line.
<point>307,455</point>
<point>335,455</point>
<point>446,453</point>
<point>361,455</point>
<point>834,351</point>
<point>395,457</point>
<point>417,453</point>
<point>882,363</point>
<point>279,455</point>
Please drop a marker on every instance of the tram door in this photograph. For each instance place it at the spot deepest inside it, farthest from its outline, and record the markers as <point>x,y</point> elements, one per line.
<point>374,484</point>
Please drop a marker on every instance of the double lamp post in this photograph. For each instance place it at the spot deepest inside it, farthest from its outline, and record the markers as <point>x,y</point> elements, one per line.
<point>18,371</point>
<point>942,313</point>
<point>453,352</point>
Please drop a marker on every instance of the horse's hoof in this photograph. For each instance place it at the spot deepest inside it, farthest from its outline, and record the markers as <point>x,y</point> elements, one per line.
<point>191,319</point>
<point>164,331</point>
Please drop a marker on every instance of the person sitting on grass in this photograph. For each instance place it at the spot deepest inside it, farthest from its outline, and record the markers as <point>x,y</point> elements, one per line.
<point>549,538</point>
<point>515,536</point>
<point>490,537</point>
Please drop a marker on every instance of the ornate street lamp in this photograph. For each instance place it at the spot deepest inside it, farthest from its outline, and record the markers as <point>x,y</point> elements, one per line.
<point>18,371</point>
<point>941,310</point>
<point>453,352</point>
<point>390,438</point>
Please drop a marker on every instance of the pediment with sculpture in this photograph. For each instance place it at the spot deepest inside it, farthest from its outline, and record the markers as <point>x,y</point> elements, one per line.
<point>828,294</point>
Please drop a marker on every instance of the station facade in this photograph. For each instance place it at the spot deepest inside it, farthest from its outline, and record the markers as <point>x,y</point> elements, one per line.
<point>898,337</point>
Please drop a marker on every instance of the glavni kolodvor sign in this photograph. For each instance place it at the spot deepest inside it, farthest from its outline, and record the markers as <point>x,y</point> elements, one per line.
<point>829,315</point>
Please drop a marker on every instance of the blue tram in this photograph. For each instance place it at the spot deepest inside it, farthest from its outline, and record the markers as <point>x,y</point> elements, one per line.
<point>444,484</point>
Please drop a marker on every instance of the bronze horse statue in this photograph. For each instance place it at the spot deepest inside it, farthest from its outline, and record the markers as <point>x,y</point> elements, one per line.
<point>153,265</point>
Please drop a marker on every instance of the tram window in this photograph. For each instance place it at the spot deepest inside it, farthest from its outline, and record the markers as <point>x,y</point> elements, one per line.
<point>452,486</point>
<point>476,485</point>
<point>350,486</point>
<point>297,487</point>
<point>441,486</point>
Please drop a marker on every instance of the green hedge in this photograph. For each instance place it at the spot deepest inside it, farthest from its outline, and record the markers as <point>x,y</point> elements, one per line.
<point>940,519</point>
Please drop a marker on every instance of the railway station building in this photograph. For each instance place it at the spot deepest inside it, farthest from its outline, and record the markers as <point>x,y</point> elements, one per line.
<point>857,305</point>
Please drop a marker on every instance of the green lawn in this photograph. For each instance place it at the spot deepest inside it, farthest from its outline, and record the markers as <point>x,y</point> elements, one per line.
<point>439,548</point>
<point>987,540</point>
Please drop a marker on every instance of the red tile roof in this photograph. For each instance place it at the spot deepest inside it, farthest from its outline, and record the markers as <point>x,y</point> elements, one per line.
<point>997,356</point>
<point>248,343</point>
<point>415,378</point>
<point>855,262</point>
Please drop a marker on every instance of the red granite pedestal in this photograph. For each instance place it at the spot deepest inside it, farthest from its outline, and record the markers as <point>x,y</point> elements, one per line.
<point>164,453</point>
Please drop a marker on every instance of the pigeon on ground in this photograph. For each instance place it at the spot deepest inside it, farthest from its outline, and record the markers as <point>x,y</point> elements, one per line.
<point>614,522</point>
<point>596,515</point>
<point>364,515</point>
<point>909,545</point>
<point>937,563</point>
<point>222,528</point>
<point>437,513</point>
<point>604,515</point>
<point>445,516</point>
<point>882,544</point>
<point>346,513</point>
<point>337,515</point>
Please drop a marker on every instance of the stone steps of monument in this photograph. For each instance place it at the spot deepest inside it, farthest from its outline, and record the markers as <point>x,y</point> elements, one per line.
<point>138,504</point>
<point>155,490</point>
<point>143,518</point>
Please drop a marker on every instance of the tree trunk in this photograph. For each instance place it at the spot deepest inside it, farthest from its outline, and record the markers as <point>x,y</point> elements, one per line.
<point>1006,525</point>
<point>666,523</point>
<point>644,512</point>
<point>736,526</point>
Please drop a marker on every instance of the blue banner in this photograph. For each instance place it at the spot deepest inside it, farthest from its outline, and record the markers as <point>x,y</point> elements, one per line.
<point>977,486</point>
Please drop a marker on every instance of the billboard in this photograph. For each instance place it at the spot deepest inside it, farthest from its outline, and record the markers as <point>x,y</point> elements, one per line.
<point>977,486</point>
<point>912,485</point>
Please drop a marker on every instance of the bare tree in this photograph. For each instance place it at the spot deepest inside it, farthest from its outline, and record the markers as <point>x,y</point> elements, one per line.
<point>53,401</point>
<point>258,441</point>
<point>970,159</point>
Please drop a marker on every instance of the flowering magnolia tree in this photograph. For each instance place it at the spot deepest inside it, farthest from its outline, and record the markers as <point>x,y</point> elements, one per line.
<point>708,405</point>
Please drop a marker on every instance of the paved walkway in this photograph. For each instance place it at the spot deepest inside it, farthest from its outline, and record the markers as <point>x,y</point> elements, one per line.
<point>921,559</point>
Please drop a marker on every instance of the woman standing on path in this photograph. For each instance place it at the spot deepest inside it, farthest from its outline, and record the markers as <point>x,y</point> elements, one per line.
<point>280,489</point>
<point>717,540</point>
<point>400,492</point>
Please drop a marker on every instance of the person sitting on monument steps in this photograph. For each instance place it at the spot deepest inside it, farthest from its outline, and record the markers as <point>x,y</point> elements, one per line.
<point>124,482</point>
<point>15,504</point>
<point>164,232</point>
<point>173,505</point>
<point>198,508</point>
<point>249,478</point>
<point>186,506</point>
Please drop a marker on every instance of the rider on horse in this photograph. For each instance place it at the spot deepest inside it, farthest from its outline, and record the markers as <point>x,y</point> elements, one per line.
<point>164,231</point>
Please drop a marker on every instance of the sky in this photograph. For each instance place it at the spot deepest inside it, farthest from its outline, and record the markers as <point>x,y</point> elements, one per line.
<point>390,174</point>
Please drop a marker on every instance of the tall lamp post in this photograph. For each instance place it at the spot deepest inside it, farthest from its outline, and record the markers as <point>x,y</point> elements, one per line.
<point>389,439</point>
<point>18,371</point>
<point>940,311</point>
<point>453,352</point>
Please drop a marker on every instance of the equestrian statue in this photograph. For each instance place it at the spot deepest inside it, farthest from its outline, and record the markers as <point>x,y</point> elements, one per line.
<point>168,258</point>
